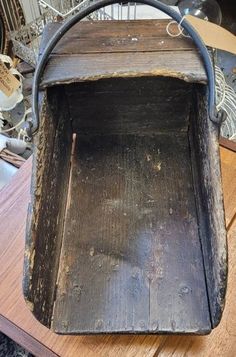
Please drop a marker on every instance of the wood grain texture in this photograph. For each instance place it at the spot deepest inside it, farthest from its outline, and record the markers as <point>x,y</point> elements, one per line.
<point>154,29</point>
<point>73,68</point>
<point>143,105</point>
<point>124,106</point>
<point>14,200</point>
<point>46,210</point>
<point>209,200</point>
<point>131,258</point>
<point>228,163</point>
<point>13,207</point>
<point>222,340</point>
<point>12,158</point>
<point>117,36</point>
<point>23,338</point>
<point>227,144</point>
<point>126,49</point>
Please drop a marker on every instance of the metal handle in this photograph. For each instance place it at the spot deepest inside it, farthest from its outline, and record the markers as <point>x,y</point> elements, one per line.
<point>212,112</point>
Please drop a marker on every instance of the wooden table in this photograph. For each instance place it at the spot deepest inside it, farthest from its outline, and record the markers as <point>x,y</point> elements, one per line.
<point>17,322</point>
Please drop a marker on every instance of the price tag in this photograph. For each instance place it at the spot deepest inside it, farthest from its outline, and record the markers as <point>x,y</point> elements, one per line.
<point>8,82</point>
<point>213,35</point>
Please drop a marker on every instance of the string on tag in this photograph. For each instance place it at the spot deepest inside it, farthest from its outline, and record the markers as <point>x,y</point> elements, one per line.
<point>180,28</point>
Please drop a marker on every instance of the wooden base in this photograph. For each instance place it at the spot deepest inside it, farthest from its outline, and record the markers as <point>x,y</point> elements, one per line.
<point>18,323</point>
<point>131,256</point>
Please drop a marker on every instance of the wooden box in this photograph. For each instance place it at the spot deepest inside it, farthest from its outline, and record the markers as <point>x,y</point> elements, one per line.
<point>126,229</point>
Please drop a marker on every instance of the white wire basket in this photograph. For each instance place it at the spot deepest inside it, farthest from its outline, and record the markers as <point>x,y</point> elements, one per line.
<point>27,19</point>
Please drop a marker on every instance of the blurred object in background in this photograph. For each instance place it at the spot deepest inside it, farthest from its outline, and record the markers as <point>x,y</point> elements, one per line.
<point>15,109</point>
<point>226,100</point>
<point>228,8</point>
<point>13,14</point>
<point>227,63</point>
<point>3,33</point>
<point>210,10</point>
<point>204,9</point>
<point>9,102</point>
<point>25,20</point>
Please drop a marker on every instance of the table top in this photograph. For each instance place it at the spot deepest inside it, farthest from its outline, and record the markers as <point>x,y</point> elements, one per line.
<point>18,323</point>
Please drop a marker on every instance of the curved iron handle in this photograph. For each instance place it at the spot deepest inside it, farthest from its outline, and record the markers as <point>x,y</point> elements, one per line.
<point>98,5</point>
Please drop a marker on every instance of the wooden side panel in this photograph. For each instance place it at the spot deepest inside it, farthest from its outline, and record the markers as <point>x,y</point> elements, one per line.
<point>207,173</point>
<point>130,106</point>
<point>46,210</point>
<point>131,259</point>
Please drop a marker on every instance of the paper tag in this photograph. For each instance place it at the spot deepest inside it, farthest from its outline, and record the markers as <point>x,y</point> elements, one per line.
<point>8,82</point>
<point>213,35</point>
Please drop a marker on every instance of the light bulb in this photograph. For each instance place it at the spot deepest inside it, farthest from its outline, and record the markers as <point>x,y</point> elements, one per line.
<point>204,9</point>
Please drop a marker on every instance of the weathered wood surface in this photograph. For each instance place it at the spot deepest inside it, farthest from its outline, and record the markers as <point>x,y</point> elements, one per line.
<point>126,49</point>
<point>17,321</point>
<point>131,258</point>
<point>209,202</point>
<point>166,117</point>
<point>12,158</point>
<point>143,106</point>
<point>46,210</point>
<point>117,36</point>
<point>143,292</point>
